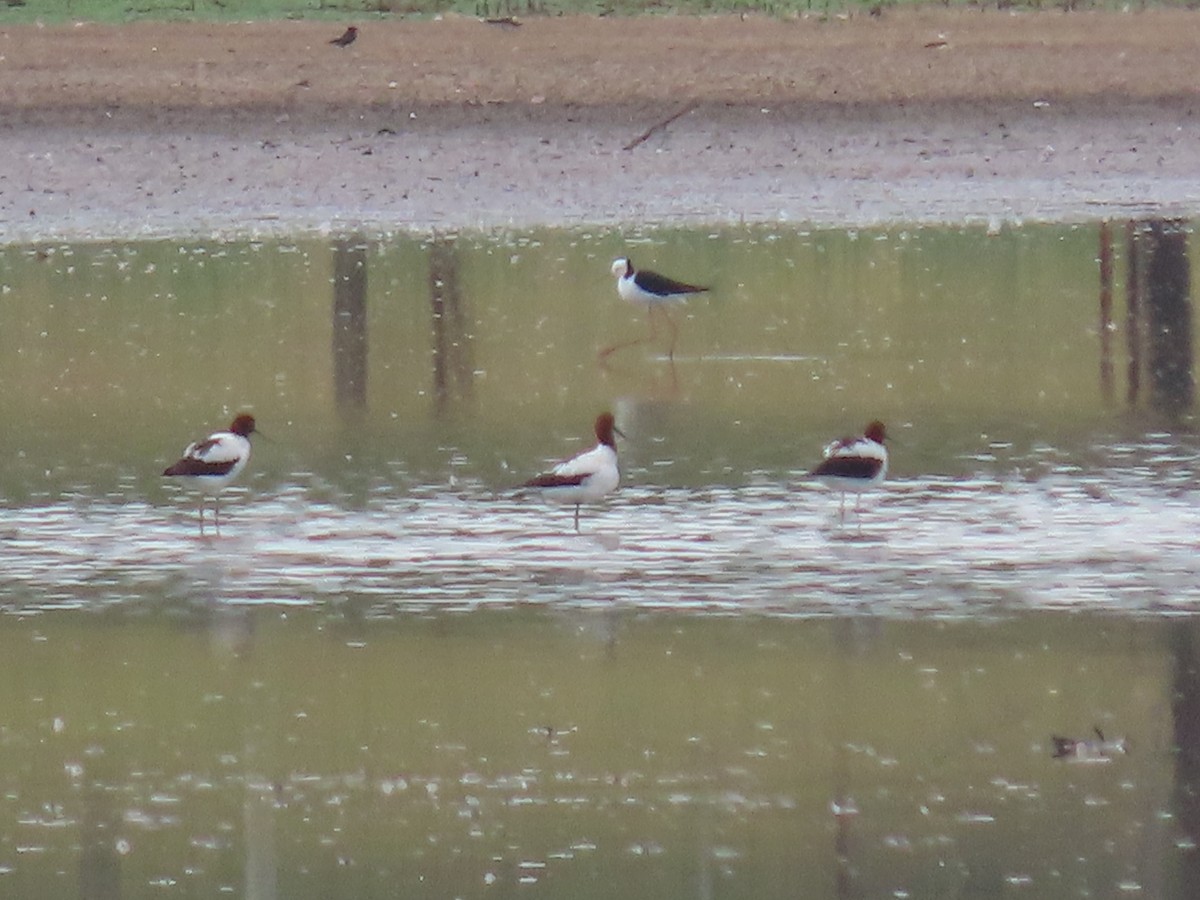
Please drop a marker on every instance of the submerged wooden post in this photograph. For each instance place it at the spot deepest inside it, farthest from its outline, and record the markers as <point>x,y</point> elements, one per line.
<point>1133,314</point>
<point>1106,323</point>
<point>350,324</point>
<point>452,370</point>
<point>1169,316</point>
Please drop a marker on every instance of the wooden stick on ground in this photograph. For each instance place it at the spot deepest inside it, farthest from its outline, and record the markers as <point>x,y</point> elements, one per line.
<point>659,125</point>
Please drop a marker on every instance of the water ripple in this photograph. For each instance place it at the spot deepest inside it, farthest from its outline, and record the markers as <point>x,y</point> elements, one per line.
<point>917,548</point>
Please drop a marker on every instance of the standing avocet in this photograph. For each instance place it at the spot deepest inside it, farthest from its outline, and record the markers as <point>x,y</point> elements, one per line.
<point>855,464</point>
<point>588,476</point>
<point>211,464</point>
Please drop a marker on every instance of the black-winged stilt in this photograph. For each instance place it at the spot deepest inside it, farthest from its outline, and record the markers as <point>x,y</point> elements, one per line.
<point>656,293</point>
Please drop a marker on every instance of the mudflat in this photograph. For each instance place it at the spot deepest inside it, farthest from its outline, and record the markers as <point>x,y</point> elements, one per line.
<point>924,116</point>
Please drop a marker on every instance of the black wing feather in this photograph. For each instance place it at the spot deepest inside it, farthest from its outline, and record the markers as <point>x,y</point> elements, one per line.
<point>849,467</point>
<point>664,286</point>
<point>191,466</point>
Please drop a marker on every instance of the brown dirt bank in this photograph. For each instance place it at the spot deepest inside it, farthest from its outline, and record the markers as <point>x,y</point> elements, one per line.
<point>932,116</point>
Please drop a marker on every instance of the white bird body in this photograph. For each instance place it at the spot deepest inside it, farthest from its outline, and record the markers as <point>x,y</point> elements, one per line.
<point>587,477</point>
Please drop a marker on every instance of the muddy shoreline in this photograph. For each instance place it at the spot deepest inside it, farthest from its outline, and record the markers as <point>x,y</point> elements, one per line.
<point>338,143</point>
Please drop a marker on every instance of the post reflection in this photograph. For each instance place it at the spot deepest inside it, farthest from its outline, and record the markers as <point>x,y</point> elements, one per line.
<point>1185,714</point>
<point>350,324</point>
<point>452,366</point>
<point>258,820</point>
<point>1106,319</point>
<point>233,635</point>
<point>1158,314</point>
<point>1133,313</point>
<point>99,859</point>
<point>854,640</point>
<point>1169,306</point>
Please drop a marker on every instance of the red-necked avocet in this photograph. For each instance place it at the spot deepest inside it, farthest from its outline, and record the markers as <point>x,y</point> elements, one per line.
<point>855,464</point>
<point>588,476</point>
<point>211,464</point>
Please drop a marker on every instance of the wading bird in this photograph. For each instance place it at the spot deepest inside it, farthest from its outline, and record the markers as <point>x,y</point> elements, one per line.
<point>657,293</point>
<point>211,464</point>
<point>1100,749</point>
<point>854,464</point>
<point>588,476</point>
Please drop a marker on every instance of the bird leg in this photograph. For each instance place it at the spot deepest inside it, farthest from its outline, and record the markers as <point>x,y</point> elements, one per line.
<point>674,326</point>
<point>608,351</point>
<point>577,518</point>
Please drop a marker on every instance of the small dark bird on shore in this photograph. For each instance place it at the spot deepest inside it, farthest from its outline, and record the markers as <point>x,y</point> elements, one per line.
<point>348,37</point>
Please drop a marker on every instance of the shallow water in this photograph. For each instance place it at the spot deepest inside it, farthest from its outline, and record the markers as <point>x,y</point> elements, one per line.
<point>392,674</point>
<point>203,749</point>
<point>924,546</point>
<point>406,386</point>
